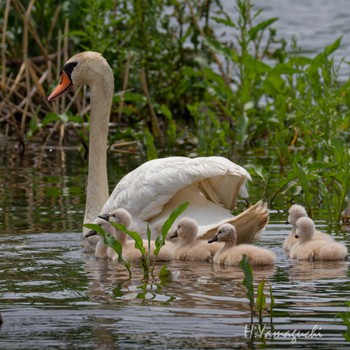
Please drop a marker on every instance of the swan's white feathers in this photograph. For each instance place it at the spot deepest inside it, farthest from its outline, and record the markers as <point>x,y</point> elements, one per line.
<point>155,188</point>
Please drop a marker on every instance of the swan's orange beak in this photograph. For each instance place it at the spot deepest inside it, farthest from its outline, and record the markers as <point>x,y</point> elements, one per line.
<point>64,85</point>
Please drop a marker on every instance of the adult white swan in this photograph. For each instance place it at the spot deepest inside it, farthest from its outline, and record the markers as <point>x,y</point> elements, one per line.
<point>154,189</point>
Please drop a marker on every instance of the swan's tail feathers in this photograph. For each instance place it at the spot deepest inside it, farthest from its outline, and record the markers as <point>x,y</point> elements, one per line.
<point>250,222</point>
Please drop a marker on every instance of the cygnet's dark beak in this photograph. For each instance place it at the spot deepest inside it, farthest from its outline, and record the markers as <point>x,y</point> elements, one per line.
<point>104,217</point>
<point>296,236</point>
<point>174,235</point>
<point>287,222</point>
<point>91,233</point>
<point>213,239</point>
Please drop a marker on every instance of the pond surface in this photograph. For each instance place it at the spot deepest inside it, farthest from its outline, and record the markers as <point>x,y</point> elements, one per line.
<point>56,295</point>
<point>314,23</point>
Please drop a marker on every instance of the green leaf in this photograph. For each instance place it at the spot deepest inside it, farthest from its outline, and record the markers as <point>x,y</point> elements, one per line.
<point>261,299</point>
<point>50,118</point>
<point>272,305</point>
<point>217,47</point>
<point>111,242</point>
<point>160,240</point>
<point>164,274</point>
<point>226,21</point>
<point>248,278</point>
<point>151,148</point>
<point>260,26</point>
<point>173,216</point>
<point>333,47</point>
<point>96,228</point>
<point>135,236</point>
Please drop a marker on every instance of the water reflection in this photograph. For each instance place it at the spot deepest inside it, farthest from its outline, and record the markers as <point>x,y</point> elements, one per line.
<point>317,270</point>
<point>55,294</point>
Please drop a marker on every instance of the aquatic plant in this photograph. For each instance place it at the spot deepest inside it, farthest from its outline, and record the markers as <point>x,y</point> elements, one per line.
<point>260,301</point>
<point>146,262</point>
<point>110,241</point>
<point>248,283</point>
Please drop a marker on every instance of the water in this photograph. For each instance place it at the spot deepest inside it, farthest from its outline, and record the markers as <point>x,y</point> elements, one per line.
<point>314,23</point>
<point>56,295</point>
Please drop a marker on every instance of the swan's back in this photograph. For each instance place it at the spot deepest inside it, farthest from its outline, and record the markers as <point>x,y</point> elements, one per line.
<point>150,191</point>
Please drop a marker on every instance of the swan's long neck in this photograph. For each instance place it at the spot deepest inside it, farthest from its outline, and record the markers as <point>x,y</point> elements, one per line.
<point>97,185</point>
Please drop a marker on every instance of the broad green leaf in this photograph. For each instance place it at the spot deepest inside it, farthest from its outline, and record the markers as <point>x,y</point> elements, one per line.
<point>226,21</point>
<point>173,216</point>
<point>333,47</point>
<point>248,278</point>
<point>160,240</point>
<point>164,274</point>
<point>135,236</point>
<point>260,298</point>
<point>96,228</point>
<point>260,26</point>
<point>111,242</point>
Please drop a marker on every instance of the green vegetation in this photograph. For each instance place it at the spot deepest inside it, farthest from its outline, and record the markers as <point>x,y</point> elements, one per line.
<point>186,88</point>
<point>147,261</point>
<point>260,302</point>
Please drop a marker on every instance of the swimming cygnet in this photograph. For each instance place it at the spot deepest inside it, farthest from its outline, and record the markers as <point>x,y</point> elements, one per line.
<point>296,212</point>
<point>308,248</point>
<point>122,216</point>
<point>231,254</point>
<point>101,250</point>
<point>187,246</point>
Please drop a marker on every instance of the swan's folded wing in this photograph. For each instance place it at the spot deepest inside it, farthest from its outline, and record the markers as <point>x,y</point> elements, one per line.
<point>145,191</point>
<point>248,223</point>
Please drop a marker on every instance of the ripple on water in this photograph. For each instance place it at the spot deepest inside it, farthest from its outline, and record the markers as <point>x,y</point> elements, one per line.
<point>57,293</point>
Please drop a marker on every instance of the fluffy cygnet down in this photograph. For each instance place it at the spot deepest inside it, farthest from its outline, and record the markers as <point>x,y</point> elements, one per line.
<point>187,246</point>
<point>308,248</point>
<point>122,216</point>
<point>296,212</point>
<point>232,254</point>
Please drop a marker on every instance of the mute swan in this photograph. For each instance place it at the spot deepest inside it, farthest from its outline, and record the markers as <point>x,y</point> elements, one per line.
<point>308,248</point>
<point>231,254</point>
<point>188,247</point>
<point>154,189</point>
<point>121,216</point>
<point>296,212</point>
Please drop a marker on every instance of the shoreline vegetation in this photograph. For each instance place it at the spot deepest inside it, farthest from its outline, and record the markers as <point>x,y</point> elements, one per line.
<point>182,83</point>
